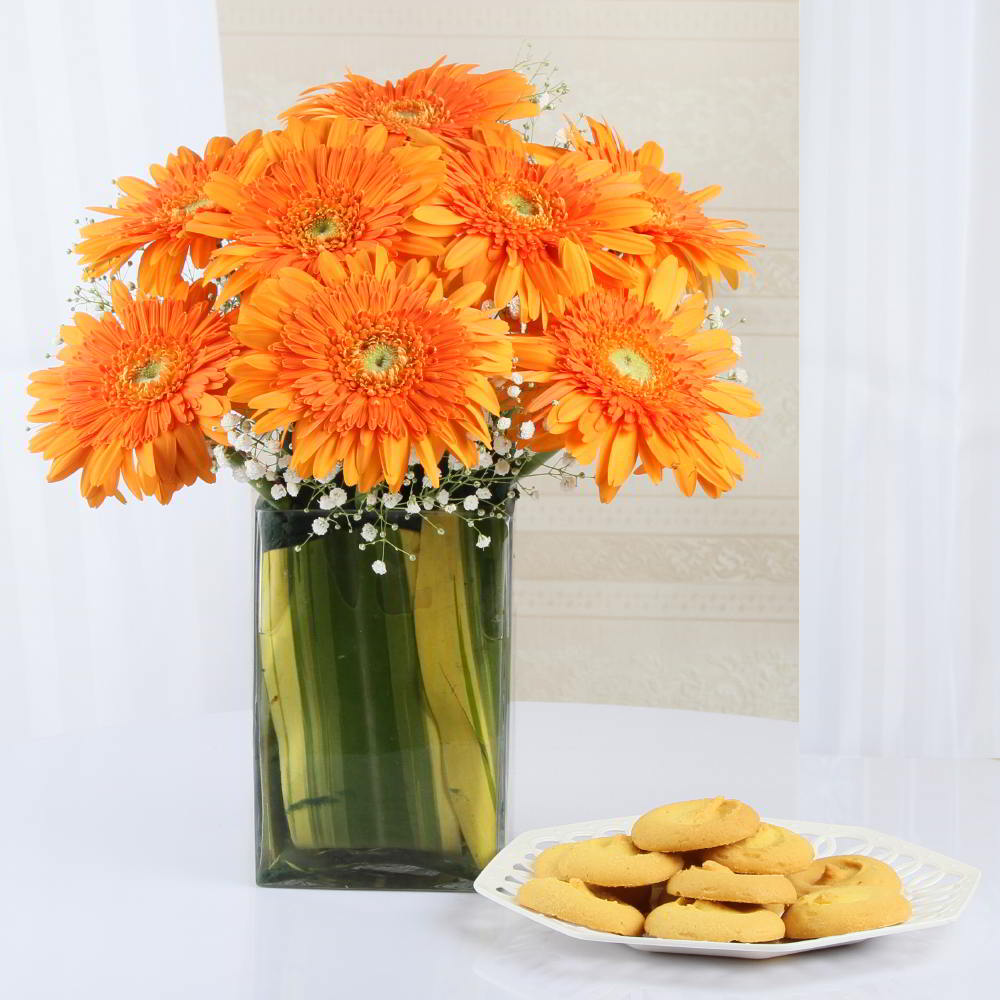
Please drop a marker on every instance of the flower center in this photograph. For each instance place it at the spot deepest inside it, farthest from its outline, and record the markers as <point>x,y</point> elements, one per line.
<point>631,364</point>
<point>420,111</point>
<point>379,358</point>
<point>147,376</point>
<point>323,228</point>
<point>195,205</point>
<point>149,371</point>
<point>523,206</point>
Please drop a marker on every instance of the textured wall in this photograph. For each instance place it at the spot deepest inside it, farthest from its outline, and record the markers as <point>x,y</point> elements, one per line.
<point>658,599</point>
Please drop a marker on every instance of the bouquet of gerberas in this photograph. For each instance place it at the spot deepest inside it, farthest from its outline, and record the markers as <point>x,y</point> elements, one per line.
<point>386,316</point>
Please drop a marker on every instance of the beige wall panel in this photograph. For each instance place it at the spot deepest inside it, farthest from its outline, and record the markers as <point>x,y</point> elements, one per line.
<point>657,599</point>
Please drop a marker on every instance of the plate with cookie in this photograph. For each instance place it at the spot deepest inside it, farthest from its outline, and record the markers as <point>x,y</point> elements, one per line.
<point>710,877</point>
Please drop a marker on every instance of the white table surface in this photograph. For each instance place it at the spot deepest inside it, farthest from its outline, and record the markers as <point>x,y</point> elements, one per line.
<point>127,870</point>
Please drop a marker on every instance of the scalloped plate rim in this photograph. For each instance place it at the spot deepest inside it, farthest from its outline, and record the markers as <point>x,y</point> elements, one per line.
<point>515,853</point>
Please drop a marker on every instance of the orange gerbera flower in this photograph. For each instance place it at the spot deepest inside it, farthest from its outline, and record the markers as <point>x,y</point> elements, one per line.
<point>330,188</point>
<point>708,248</point>
<point>530,230</point>
<point>156,217</point>
<point>443,99</point>
<point>623,378</point>
<point>364,363</point>
<point>135,394</point>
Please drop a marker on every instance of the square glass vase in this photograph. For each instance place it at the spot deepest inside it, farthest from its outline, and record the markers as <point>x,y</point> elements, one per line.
<point>382,702</point>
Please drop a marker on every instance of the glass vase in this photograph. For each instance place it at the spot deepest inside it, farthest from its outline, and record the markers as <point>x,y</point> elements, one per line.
<point>382,701</point>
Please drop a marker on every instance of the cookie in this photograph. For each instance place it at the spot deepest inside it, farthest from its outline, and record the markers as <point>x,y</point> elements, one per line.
<point>845,909</point>
<point>707,920</point>
<point>547,863</point>
<point>715,881</point>
<point>846,869</point>
<point>694,825</point>
<point>770,850</point>
<point>577,903</point>
<point>616,861</point>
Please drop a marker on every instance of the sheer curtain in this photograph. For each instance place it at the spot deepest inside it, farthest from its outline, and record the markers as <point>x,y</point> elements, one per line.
<point>123,612</point>
<point>900,452</point>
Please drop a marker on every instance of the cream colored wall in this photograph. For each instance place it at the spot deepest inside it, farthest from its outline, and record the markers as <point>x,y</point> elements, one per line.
<point>657,599</point>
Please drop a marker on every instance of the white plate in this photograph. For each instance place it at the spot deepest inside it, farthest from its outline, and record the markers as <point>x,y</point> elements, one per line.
<point>937,886</point>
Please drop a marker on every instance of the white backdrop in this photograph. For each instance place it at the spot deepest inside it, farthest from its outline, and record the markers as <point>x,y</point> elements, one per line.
<point>900,357</point>
<point>111,614</point>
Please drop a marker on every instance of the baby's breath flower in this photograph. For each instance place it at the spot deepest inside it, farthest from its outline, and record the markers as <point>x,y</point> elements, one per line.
<point>503,423</point>
<point>278,491</point>
<point>527,430</point>
<point>391,500</point>
<point>230,420</point>
<point>737,347</point>
<point>378,567</point>
<point>471,503</point>
<point>368,533</point>
<point>483,493</point>
<point>253,470</point>
<point>503,467</point>
<point>320,526</point>
<point>454,464</point>
<point>412,507</point>
<point>501,444</point>
<point>513,391</point>
<point>483,542</point>
<point>442,497</point>
<point>293,489</point>
<point>450,508</point>
<point>427,503</point>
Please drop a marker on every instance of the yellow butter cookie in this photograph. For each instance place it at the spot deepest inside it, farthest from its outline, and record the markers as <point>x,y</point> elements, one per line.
<point>547,863</point>
<point>845,909</point>
<point>577,903</point>
<point>770,850</point>
<point>715,881</point>
<point>707,920</point>
<point>846,869</point>
<point>616,861</point>
<point>694,825</point>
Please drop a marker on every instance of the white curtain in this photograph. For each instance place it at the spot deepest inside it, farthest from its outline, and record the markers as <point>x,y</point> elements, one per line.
<point>123,612</point>
<point>900,368</point>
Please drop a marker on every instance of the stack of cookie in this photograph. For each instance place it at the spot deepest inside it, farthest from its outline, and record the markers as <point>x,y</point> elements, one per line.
<point>710,870</point>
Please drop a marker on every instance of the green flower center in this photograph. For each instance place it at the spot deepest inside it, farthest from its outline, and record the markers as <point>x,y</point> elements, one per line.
<point>379,358</point>
<point>631,364</point>
<point>148,372</point>
<point>198,203</point>
<point>523,206</point>
<point>323,227</point>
